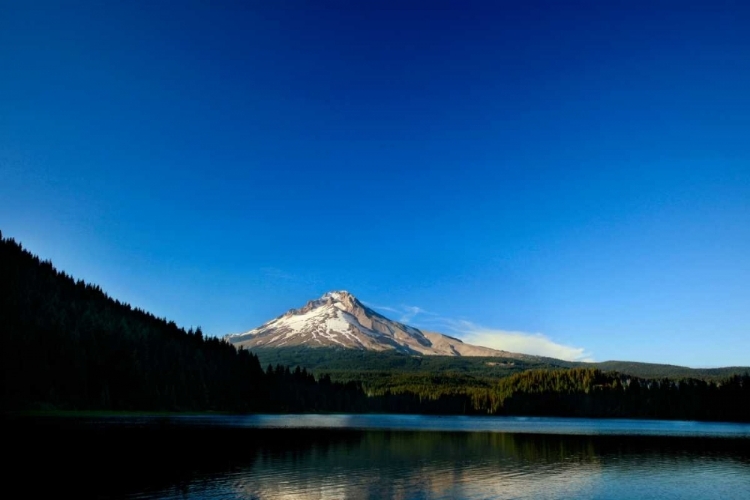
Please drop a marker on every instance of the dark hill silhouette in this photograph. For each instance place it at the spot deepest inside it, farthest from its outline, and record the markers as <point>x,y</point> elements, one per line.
<point>65,344</point>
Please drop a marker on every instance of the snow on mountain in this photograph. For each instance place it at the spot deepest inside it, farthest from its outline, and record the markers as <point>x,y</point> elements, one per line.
<point>338,319</point>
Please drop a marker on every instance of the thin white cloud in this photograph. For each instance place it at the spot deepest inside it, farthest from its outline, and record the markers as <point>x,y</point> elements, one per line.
<point>405,313</point>
<point>536,344</point>
<point>514,341</point>
<point>409,312</point>
<point>381,308</point>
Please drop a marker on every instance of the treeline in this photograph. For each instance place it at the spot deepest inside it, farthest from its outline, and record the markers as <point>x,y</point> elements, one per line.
<point>657,371</point>
<point>65,344</point>
<point>578,392</point>
<point>464,387</point>
<point>377,367</point>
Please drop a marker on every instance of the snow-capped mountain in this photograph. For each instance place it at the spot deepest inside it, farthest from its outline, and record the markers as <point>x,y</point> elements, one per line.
<point>338,319</point>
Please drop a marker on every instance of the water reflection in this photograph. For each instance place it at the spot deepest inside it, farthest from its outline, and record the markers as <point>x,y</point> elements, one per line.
<point>167,460</point>
<point>491,465</point>
<point>424,465</point>
<point>376,464</point>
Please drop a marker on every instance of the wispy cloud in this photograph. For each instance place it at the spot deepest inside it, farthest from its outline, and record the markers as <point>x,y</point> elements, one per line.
<point>405,313</point>
<point>515,341</point>
<point>410,312</point>
<point>506,340</point>
<point>381,308</point>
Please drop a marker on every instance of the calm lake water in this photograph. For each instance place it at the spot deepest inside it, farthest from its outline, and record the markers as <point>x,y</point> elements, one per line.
<point>377,456</point>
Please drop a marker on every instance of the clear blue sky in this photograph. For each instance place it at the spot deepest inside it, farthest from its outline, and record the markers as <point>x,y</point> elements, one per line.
<point>579,170</point>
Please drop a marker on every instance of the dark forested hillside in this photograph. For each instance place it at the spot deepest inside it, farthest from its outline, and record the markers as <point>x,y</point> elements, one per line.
<point>379,367</point>
<point>354,364</point>
<point>66,345</point>
<point>656,370</point>
<point>583,392</point>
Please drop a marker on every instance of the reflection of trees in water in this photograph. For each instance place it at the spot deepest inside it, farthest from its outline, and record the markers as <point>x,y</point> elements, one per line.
<point>171,460</point>
<point>380,464</point>
<point>501,446</point>
<point>387,464</point>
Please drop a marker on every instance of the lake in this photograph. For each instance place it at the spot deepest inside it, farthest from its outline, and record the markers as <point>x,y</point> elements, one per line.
<point>376,456</point>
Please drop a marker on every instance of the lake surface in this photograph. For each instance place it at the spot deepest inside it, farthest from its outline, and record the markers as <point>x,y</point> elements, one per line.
<point>377,456</point>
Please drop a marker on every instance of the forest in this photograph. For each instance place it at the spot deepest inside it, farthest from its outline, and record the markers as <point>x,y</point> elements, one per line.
<point>378,367</point>
<point>67,345</point>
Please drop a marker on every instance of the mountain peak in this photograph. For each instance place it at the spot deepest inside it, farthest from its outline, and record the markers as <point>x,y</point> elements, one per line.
<point>338,319</point>
<point>338,295</point>
<point>341,299</point>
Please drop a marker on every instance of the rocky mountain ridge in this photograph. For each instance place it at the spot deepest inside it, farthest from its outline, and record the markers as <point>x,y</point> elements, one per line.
<point>339,319</point>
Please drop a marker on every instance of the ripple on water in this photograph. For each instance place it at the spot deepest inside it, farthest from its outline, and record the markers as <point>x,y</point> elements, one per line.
<point>429,465</point>
<point>288,457</point>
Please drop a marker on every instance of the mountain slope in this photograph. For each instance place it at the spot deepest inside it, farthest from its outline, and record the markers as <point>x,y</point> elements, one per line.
<point>338,319</point>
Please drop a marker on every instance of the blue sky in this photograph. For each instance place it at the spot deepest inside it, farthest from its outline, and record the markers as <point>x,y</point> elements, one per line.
<point>571,178</point>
